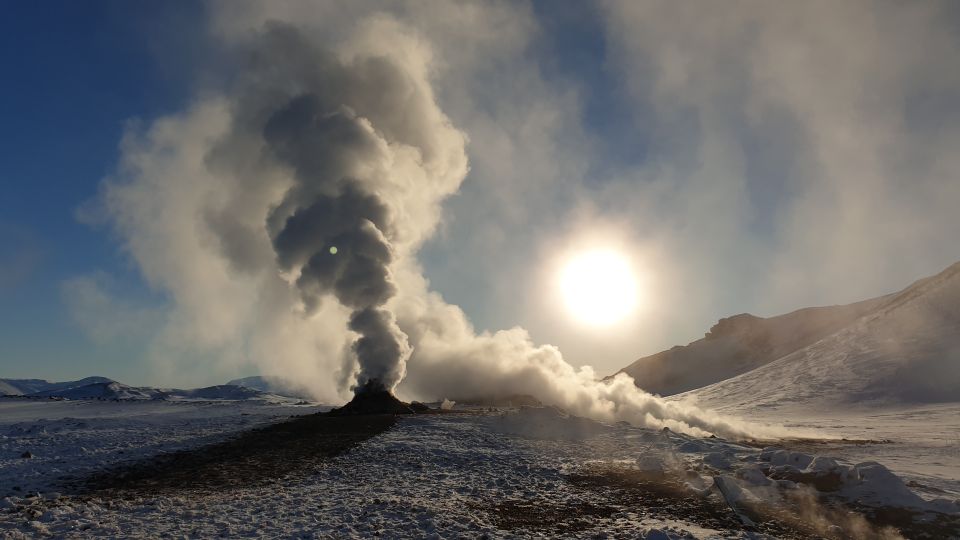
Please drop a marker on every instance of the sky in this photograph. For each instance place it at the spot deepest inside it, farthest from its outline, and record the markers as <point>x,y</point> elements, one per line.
<point>745,158</point>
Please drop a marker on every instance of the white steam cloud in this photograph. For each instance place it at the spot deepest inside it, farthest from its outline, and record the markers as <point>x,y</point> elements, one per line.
<point>283,217</point>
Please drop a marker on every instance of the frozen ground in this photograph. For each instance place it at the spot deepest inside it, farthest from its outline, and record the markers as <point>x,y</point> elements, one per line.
<point>73,438</point>
<point>453,475</point>
<point>920,443</point>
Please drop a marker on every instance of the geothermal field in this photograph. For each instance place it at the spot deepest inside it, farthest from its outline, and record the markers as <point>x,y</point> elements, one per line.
<point>267,469</point>
<point>99,458</point>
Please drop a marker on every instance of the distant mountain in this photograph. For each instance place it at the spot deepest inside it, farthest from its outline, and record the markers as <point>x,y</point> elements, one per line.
<point>7,389</point>
<point>740,343</point>
<point>34,386</point>
<point>904,350</point>
<point>221,391</point>
<point>104,388</point>
<point>101,390</point>
<point>271,385</point>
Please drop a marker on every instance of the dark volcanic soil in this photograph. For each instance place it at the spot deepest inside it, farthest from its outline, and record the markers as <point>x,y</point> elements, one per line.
<point>259,456</point>
<point>664,497</point>
<point>623,489</point>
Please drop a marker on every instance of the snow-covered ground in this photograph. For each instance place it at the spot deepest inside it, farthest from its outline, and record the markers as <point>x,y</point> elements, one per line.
<point>429,476</point>
<point>73,438</point>
<point>920,443</point>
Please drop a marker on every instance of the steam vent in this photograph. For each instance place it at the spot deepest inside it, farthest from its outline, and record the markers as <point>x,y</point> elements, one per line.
<point>374,398</point>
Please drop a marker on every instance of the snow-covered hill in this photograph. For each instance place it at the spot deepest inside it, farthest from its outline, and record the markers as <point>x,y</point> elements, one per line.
<point>739,344</point>
<point>906,350</point>
<point>7,389</point>
<point>17,387</point>
<point>108,389</point>
<point>100,390</point>
<point>220,391</point>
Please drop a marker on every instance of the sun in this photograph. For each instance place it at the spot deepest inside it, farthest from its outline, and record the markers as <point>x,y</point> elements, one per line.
<point>599,287</point>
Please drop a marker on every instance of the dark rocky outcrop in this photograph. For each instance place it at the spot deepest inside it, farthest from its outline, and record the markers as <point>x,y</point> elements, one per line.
<point>373,398</point>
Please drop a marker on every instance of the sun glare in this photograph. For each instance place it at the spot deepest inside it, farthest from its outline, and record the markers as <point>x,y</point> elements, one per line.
<point>599,287</point>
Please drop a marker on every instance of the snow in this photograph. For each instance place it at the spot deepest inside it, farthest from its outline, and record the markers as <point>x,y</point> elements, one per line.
<point>7,389</point>
<point>740,343</point>
<point>16,387</point>
<point>433,476</point>
<point>904,352</point>
<point>77,437</point>
<point>885,388</point>
<point>104,388</point>
<point>919,443</point>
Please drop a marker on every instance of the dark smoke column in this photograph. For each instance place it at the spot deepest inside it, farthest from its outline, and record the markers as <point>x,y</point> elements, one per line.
<point>334,230</point>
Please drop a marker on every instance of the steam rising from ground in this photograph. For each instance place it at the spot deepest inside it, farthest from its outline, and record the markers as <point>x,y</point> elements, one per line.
<point>283,218</point>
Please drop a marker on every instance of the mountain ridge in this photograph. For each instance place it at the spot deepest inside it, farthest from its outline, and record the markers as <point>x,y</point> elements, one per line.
<point>109,389</point>
<point>740,344</point>
<point>906,351</point>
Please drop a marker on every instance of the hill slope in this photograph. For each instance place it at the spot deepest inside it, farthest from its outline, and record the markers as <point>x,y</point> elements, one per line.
<point>108,389</point>
<point>905,351</point>
<point>7,389</point>
<point>17,387</point>
<point>100,390</point>
<point>739,344</point>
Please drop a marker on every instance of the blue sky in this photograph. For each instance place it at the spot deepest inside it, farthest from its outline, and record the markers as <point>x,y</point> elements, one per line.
<point>78,74</point>
<point>75,74</point>
<point>695,137</point>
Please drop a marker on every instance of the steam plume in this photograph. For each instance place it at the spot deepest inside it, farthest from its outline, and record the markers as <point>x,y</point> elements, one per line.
<point>332,233</point>
<point>284,218</point>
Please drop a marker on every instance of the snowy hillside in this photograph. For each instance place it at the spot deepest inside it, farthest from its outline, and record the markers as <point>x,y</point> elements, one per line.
<point>739,344</point>
<point>7,389</point>
<point>905,351</point>
<point>220,391</point>
<point>17,387</point>
<point>106,389</point>
<point>100,390</point>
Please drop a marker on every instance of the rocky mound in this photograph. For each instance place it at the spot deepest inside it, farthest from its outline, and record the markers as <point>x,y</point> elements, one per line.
<point>373,398</point>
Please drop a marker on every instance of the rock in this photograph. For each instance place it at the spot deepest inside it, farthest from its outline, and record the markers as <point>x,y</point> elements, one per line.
<point>418,407</point>
<point>26,455</point>
<point>373,398</point>
<point>717,460</point>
